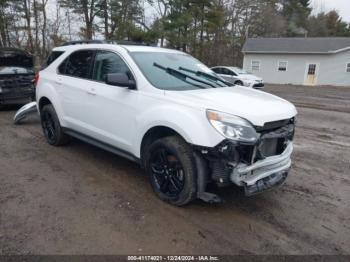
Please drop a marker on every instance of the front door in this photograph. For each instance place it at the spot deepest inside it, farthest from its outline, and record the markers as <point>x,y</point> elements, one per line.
<point>311,75</point>
<point>112,109</point>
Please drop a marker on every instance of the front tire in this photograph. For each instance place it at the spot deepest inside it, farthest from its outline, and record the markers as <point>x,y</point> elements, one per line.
<point>51,127</point>
<point>171,167</point>
<point>239,83</point>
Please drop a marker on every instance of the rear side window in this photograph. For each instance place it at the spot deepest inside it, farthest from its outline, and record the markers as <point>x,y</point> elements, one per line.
<point>108,63</point>
<point>78,64</point>
<point>52,57</point>
<point>225,71</point>
<point>217,70</point>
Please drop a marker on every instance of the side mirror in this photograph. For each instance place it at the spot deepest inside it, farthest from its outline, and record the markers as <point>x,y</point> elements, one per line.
<point>120,79</point>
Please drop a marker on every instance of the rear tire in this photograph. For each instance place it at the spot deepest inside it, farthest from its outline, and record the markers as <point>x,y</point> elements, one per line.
<point>171,167</point>
<point>51,127</point>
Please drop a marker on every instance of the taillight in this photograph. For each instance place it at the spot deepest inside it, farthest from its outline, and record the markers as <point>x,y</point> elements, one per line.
<point>36,79</point>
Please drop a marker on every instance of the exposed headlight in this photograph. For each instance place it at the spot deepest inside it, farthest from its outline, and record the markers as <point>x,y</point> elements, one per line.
<point>232,127</point>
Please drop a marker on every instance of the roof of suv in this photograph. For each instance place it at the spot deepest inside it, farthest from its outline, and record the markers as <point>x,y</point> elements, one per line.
<point>130,48</point>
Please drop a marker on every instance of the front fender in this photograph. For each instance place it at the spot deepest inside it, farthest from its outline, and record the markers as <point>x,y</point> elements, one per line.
<point>190,123</point>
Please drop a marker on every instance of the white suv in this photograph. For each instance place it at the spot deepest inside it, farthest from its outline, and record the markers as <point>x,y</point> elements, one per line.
<point>170,113</point>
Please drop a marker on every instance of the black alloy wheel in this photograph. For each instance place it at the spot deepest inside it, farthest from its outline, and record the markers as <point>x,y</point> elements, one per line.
<point>49,127</point>
<point>171,167</point>
<point>167,172</point>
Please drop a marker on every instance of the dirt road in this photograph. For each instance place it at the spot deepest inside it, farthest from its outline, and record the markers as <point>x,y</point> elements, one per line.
<point>79,199</point>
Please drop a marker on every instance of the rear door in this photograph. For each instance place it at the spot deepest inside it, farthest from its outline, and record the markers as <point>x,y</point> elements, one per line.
<point>73,83</point>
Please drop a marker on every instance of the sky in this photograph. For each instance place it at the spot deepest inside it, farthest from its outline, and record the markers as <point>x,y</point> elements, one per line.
<point>342,6</point>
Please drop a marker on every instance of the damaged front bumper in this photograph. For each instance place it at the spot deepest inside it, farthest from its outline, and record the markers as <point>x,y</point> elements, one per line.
<point>263,174</point>
<point>256,166</point>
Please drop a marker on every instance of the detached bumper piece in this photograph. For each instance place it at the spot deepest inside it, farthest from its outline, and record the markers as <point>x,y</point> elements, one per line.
<point>24,111</point>
<point>266,184</point>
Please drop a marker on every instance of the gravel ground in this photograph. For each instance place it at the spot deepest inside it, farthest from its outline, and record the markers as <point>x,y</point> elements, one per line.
<point>79,199</point>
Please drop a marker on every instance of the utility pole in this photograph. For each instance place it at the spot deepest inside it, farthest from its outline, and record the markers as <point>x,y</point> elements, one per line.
<point>247,32</point>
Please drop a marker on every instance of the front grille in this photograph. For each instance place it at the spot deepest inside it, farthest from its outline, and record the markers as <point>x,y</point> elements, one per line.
<point>271,126</point>
<point>272,147</point>
<point>274,138</point>
<point>259,85</point>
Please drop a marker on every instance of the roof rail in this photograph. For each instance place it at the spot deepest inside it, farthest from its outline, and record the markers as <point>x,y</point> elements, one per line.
<point>127,42</point>
<point>118,42</point>
<point>82,42</point>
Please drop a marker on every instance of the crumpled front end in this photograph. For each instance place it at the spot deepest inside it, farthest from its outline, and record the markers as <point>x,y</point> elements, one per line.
<point>256,167</point>
<point>263,174</point>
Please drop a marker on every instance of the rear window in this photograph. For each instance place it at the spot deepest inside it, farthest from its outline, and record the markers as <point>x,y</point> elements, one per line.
<point>52,57</point>
<point>15,61</point>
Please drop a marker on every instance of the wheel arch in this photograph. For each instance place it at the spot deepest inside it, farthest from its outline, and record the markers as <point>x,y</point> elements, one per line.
<point>43,102</point>
<point>154,133</point>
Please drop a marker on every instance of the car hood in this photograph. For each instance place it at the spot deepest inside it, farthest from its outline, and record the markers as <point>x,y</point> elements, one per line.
<point>255,106</point>
<point>249,77</point>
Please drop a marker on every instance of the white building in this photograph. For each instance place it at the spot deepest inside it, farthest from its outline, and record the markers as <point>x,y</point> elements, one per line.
<point>299,61</point>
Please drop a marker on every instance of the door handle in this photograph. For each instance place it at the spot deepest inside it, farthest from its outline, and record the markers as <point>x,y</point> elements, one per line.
<point>58,81</point>
<point>91,92</point>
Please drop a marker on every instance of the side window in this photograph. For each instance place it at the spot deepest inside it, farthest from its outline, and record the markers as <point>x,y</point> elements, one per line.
<point>62,67</point>
<point>255,65</point>
<point>233,73</point>
<point>225,71</point>
<point>348,67</point>
<point>217,70</point>
<point>52,57</point>
<point>78,64</point>
<point>108,63</point>
<point>282,66</point>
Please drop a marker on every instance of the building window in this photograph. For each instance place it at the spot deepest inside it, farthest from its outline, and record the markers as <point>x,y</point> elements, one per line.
<point>348,67</point>
<point>255,65</point>
<point>282,66</point>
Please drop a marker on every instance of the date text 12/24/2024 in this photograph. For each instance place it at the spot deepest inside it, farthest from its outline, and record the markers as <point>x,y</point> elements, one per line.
<point>173,258</point>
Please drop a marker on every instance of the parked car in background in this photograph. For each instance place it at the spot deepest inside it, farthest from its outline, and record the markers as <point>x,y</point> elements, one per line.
<point>171,114</point>
<point>16,76</point>
<point>238,76</point>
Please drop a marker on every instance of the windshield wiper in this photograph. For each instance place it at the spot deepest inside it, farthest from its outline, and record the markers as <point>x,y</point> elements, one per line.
<point>183,76</point>
<point>206,75</point>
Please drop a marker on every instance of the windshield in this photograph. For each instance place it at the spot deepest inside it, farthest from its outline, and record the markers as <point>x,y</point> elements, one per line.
<point>240,71</point>
<point>175,71</point>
